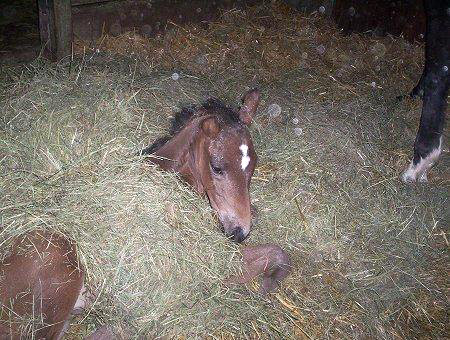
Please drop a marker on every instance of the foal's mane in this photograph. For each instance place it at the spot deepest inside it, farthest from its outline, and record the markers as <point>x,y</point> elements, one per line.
<point>225,115</point>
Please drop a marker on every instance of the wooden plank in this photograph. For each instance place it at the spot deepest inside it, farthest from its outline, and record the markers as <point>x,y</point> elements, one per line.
<point>63,27</point>
<point>86,2</point>
<point>46,28</point>
<point>55,28</point>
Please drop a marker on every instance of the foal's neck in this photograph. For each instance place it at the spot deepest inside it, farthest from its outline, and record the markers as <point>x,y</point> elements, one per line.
<point>174,154</point>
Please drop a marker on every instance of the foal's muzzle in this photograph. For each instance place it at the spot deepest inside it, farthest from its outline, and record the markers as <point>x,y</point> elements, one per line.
<point>237,229</point>
<point>237,235</point>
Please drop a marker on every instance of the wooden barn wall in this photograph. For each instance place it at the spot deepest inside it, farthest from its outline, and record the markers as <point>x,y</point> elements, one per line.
<point>401,18</point>
<point>148,18</point>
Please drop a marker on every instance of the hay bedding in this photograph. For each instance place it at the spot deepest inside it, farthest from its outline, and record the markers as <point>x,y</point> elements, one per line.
<point>370,255</point>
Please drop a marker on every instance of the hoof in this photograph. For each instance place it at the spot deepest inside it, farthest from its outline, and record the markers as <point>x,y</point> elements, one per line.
<point>418,172</point>
<point>411,176</point>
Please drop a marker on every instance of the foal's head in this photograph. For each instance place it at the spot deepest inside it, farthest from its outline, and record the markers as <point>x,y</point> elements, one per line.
<point>213,151</point>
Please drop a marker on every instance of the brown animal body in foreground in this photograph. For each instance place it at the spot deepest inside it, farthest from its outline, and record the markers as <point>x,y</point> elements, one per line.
<point>269,260</point>
<point>211,148</point>
<point>41,283</point>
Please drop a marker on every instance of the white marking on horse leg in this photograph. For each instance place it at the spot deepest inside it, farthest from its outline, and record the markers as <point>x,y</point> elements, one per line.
<point>419,171</point>
<point>78,308</point>
<point>80,304</point>
<point>245,158</point>
<point>85,299</point>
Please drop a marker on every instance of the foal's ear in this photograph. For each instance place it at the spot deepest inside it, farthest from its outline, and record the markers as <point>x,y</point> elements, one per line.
<point>249,105</point>
<point>210,127</point>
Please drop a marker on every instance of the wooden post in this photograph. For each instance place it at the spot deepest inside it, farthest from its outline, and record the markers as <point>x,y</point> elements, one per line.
<point>46,30</point>
<point>55,26</point>
<point>63,25</point>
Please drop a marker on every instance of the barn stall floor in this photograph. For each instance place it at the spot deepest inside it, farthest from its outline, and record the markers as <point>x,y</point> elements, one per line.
<point>369,253</point>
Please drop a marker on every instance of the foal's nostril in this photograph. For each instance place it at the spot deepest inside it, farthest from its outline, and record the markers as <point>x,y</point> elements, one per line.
<point>238,235</point>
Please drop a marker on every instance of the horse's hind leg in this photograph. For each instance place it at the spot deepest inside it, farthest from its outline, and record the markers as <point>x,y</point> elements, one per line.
<point>435,84</point>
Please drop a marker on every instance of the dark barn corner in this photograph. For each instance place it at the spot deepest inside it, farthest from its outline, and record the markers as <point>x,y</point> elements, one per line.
<point>19,30</point>
<point>400,18</point>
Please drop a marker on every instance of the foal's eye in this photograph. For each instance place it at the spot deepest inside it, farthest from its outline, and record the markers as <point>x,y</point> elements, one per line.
<point>216,169</point>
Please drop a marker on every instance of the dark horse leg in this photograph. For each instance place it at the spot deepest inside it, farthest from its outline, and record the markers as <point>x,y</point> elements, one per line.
<point>433,86</point>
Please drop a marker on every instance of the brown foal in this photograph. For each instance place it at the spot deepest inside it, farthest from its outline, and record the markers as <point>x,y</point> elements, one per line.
<point>211,148</point>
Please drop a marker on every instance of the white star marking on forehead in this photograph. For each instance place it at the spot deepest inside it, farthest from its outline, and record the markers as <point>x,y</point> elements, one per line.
<point>245,158</point>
